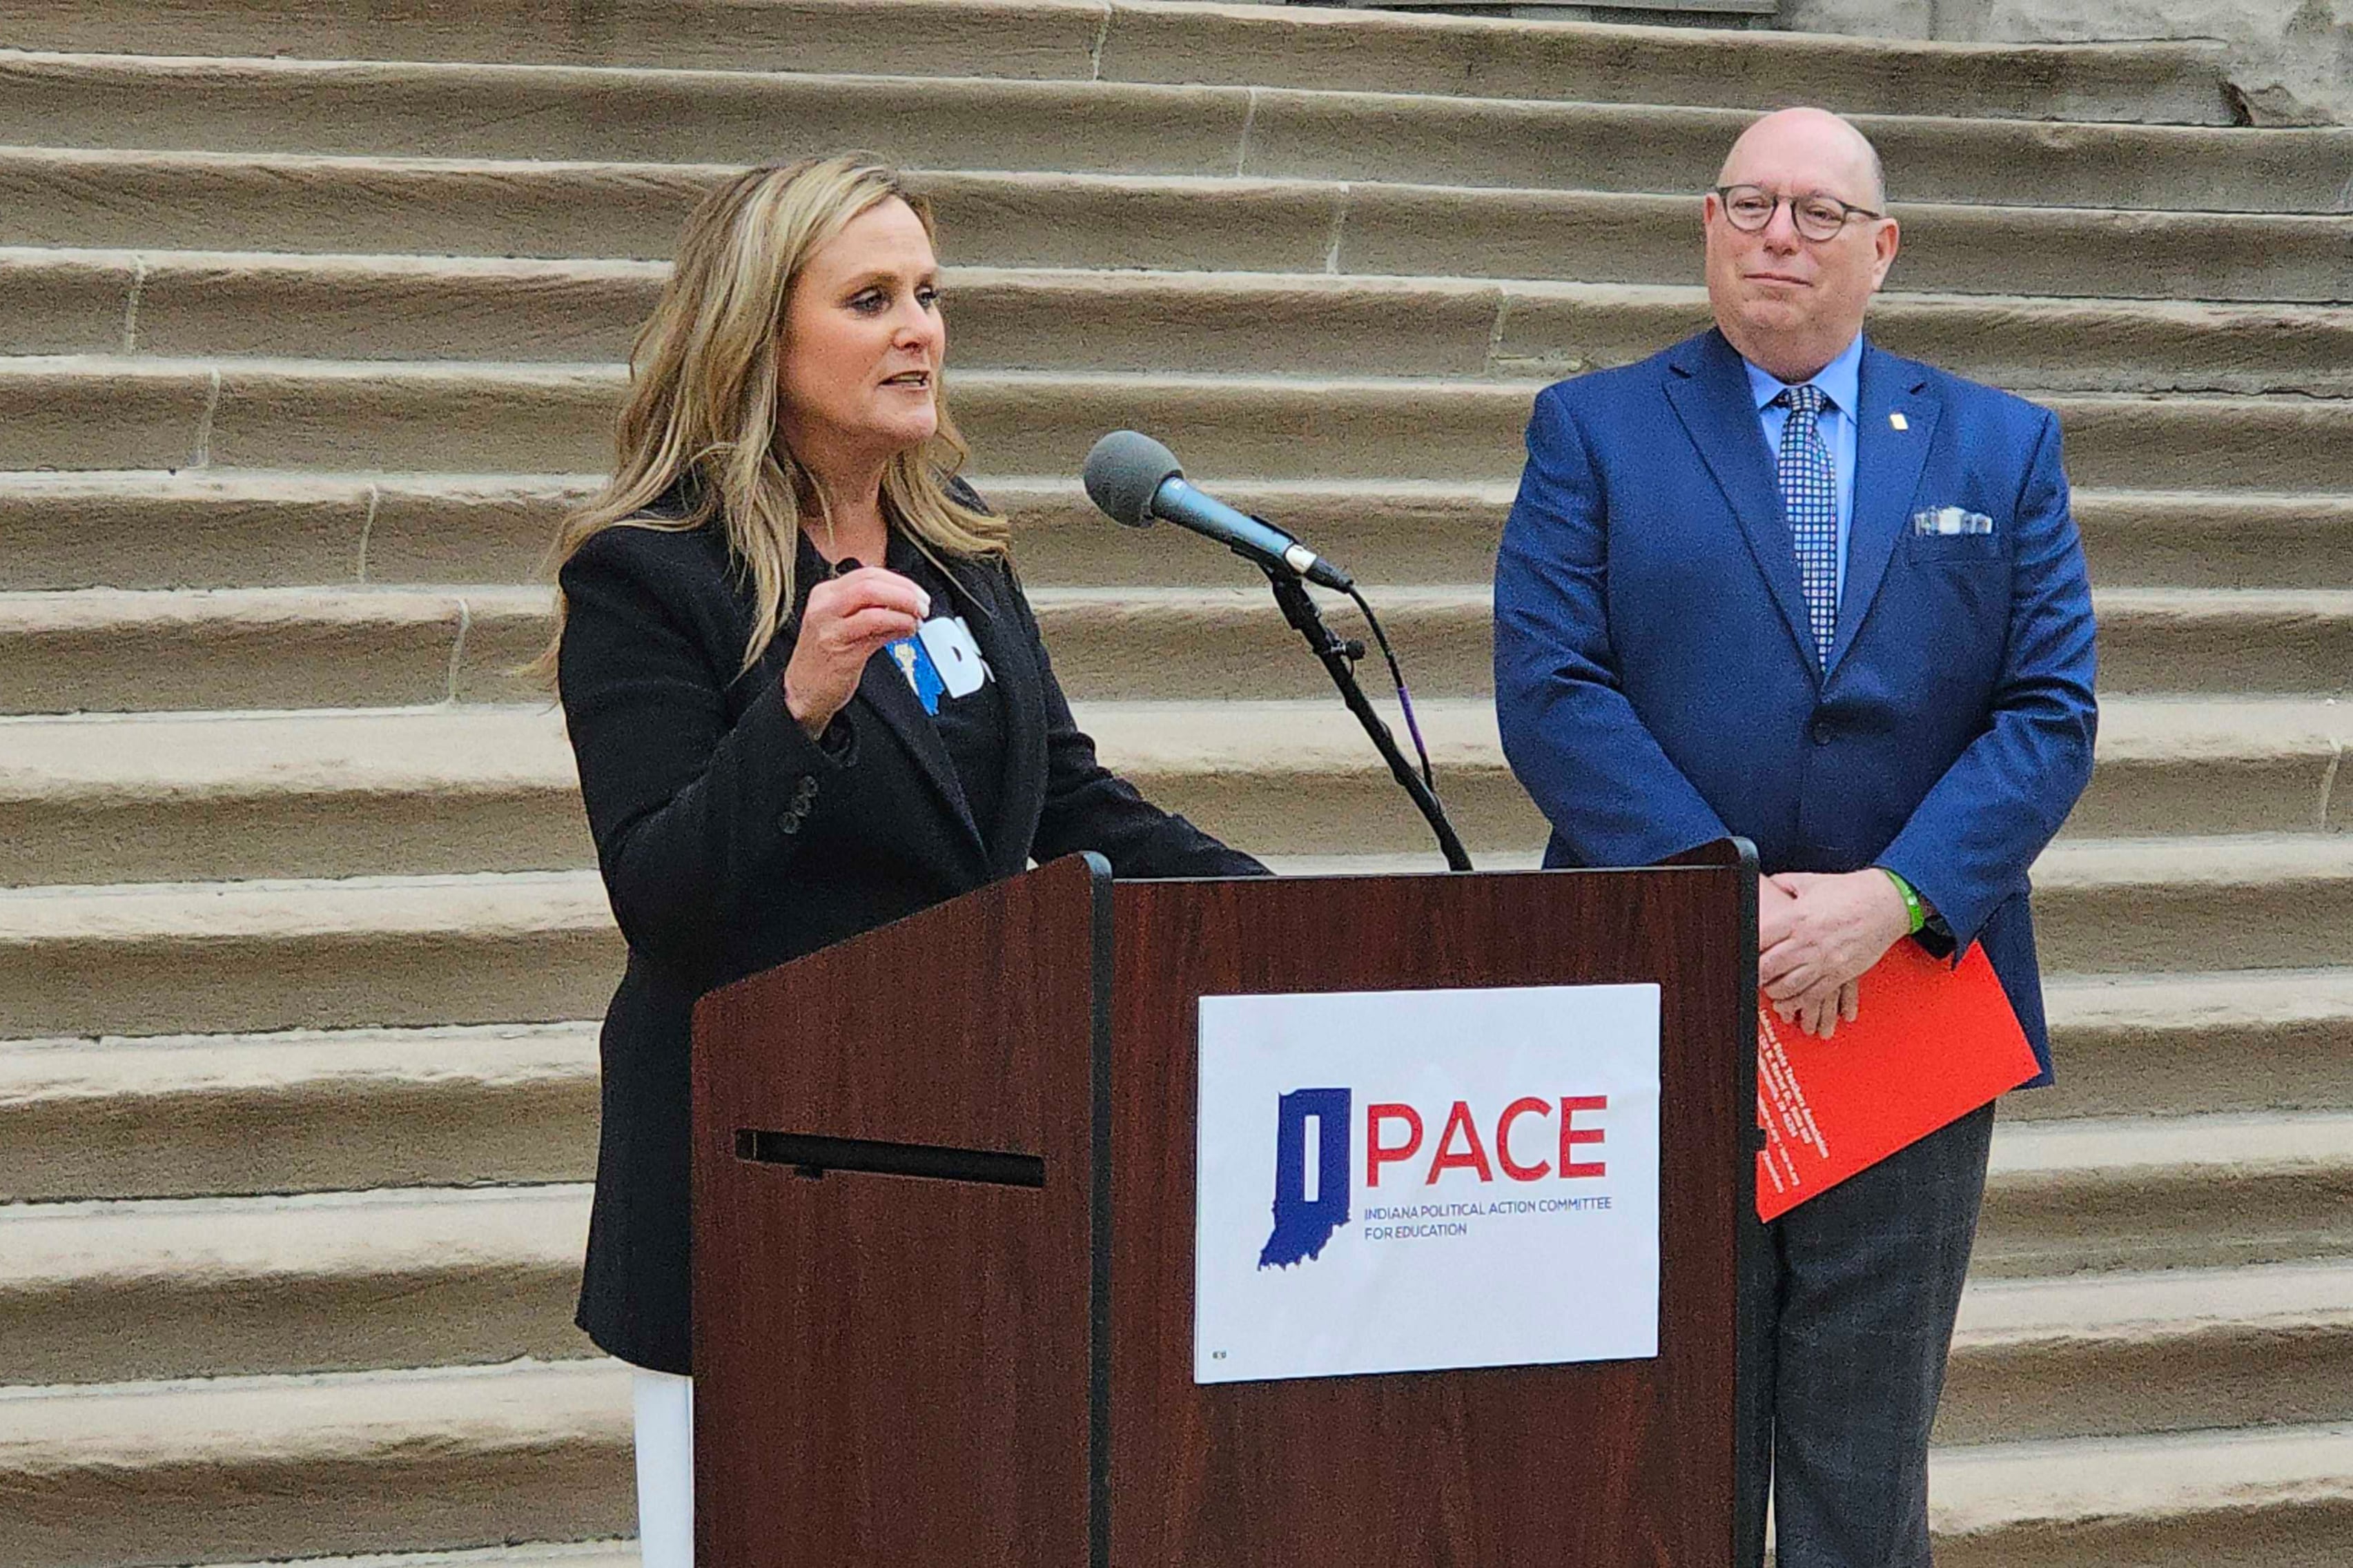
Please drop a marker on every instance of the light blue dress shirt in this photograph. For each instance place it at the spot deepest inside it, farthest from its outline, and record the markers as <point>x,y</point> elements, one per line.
<point>1842,384</point>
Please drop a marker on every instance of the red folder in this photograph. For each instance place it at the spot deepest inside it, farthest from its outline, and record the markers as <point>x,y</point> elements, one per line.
<point>1931,1044</point>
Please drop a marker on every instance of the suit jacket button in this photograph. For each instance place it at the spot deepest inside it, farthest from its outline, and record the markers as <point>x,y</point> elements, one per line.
<point>789,823</point>
<point>1825,732</point>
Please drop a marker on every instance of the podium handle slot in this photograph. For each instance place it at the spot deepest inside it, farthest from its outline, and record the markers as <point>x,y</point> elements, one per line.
<point>814,1156</point>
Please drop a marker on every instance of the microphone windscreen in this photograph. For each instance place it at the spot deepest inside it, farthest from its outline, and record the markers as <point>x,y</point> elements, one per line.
<point>1124,471</point>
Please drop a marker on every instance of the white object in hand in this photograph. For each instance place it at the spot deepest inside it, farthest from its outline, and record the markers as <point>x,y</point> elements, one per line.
<point>953,654</point>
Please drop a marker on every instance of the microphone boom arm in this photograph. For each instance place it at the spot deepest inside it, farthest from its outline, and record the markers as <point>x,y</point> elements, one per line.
<point>1337,656</point>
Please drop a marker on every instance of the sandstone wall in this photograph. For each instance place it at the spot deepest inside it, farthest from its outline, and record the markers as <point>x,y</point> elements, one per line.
<point>2292,59</point>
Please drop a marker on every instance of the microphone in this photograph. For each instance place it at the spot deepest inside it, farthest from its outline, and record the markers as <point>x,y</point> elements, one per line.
<point>1134,479</point>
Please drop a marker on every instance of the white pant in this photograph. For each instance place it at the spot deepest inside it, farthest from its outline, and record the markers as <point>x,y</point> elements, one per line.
<point>665,1407</point>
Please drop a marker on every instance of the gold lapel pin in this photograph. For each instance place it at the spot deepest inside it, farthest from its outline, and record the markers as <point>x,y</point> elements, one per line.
<point>1897,422</point>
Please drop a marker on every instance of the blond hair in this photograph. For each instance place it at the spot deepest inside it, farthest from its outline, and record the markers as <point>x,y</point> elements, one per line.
<point>705,382</point>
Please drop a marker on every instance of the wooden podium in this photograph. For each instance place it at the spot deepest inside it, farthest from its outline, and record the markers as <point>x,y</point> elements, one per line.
<point>944,1243</point>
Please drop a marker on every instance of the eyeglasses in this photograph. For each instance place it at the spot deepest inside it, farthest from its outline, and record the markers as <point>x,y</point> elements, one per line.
<point>1750,209</point>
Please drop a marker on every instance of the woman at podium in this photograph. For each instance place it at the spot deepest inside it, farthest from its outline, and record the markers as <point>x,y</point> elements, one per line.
<point>806,692</point>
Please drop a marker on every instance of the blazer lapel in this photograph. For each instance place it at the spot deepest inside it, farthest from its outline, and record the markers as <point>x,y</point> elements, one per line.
<point>1021,690</point>
<point>884,690</point>
<point>1887,465</point>
<point>1709,392</point>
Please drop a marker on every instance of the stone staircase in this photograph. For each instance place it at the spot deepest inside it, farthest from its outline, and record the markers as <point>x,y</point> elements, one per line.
<point>312,324</point>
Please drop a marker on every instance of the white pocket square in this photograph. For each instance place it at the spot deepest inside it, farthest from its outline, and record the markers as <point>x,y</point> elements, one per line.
<point>1951,519</point>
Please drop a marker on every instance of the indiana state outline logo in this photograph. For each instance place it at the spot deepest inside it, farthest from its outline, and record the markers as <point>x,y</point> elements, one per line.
<point>1311,1195</point>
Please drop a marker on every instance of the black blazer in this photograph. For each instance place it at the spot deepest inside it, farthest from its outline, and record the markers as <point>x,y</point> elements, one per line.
<point>730,842</point>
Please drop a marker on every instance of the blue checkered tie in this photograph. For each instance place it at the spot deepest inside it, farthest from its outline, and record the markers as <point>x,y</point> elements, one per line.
<point>1809,496</point>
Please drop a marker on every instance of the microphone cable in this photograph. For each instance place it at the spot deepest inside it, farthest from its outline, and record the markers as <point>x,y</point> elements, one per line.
<point>1397,679</point>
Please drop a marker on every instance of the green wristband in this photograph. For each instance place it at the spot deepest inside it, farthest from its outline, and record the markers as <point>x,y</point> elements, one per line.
<point>1912,905</point>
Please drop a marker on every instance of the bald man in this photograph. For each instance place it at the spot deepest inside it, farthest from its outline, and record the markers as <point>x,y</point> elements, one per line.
<point>1779,582</point>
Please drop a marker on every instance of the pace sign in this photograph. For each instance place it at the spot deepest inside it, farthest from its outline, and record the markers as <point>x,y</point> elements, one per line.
<point>1413,1181</point>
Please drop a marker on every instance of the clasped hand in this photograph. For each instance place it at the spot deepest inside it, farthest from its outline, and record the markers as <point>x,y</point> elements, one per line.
<point>1816,934</point>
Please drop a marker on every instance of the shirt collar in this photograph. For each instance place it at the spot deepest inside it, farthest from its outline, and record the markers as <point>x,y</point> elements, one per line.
<point>1841,380</point>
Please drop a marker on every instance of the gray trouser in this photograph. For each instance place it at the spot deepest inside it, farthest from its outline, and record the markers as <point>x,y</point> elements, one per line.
<point>1854,1307</point>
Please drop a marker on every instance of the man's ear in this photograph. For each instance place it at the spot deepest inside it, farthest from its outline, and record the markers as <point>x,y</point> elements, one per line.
<point>1886,242</point>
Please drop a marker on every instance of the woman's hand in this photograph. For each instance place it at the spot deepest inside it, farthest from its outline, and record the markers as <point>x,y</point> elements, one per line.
<point>847,620</point>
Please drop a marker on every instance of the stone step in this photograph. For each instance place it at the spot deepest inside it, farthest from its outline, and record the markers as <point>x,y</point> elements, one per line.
<point>330,792</point>
<point>2168,766</point>
<point>218,1470</point>
<point>214,200</point>
<point>338,1281</point>
<point>2281,901</point>
<point>231,528</point>
<point>106,1292</point>
<point>2185,1043</point>
<point>1124,42</point>
<point>466,110</point>
<point>2191,539</point>
<point>558,1554</point>
<point>2103,906</point>
<point>538,946</point>
<point>2101,1355</point>
<point>482,788</point>
<point>343,1462</point>
<point>248,528</point>
<point>1405,532</point>
<point>2140,1192</point>
<point>314,1111</point>
<point>537,1449</point>
<point>135,411</point>
<point>178,302</point>
<point>202,304</point>
<point>87,801</point>
<point>2220,1500</point>
<point>305,1110</point>
<point>128,650</point>
<point>2202,639</point>
<point>114,651</point>
<point>360,953</point>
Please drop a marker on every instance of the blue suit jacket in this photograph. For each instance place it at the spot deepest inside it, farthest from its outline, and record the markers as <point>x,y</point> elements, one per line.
<point>1655,677</point>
